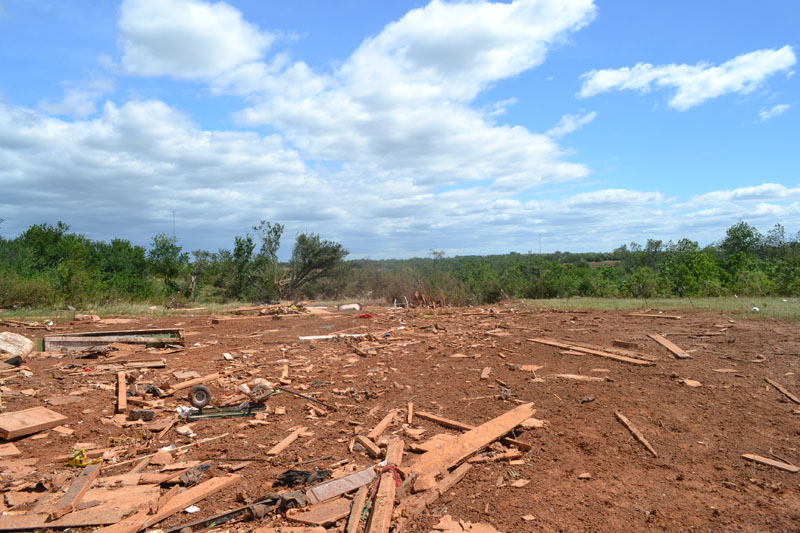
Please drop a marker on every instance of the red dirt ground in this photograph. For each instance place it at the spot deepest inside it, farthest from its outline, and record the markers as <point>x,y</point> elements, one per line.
<point>698,482</point>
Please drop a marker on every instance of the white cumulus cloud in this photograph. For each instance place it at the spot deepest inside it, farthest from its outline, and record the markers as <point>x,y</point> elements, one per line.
<point>774,111</point>
<point>694,84</point>
<point>399,106</point>
<point>187,38</point>
<point>571,123</point>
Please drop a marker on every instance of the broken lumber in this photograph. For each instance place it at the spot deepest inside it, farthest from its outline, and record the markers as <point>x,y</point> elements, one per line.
<point>783,390</point>
<point>28,421</point>
<point>282,445</point>
<point>669,345</point>
<point>502,456</point>
<point>190,497</point>
<point>771,462</point>
<point>192,382</point>
<point>77,341</point>
<point>465,445</point>
<point>591,351</point>
<point>635,432</point>
<point>576,377</point>
<point>76,491</point>
<point>416,504</point>
<point>113,506</point>
<point>122,392</point>
<point>382,425</point>
<point>373,449</point>
<point>356,509</point>
<point>343,485</point>
<point>322,514</point>
<point>454,424</point>
<point>381,517</point>
<point>198,443</point>
<point>328,337</point>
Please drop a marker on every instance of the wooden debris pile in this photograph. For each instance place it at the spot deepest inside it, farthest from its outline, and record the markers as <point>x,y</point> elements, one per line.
<point>387,460</point>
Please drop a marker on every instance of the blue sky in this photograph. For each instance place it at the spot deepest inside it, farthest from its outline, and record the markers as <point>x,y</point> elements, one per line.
<point>400,127</point>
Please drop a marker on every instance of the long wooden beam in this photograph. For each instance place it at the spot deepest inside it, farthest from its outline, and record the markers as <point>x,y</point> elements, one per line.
<point>381,518</point>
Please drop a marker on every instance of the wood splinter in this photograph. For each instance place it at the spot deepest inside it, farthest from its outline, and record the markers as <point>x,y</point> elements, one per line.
<point>635,432</point>
<point>783,390</point>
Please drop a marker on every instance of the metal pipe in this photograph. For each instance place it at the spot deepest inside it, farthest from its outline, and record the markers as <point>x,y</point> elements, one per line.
<point>306,397</point>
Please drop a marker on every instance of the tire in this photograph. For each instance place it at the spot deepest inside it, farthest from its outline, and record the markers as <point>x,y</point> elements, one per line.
<point>199,396</point>
<point>260,394</point>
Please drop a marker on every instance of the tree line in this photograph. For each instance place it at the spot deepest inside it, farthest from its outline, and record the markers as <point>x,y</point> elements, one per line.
<point>49,265</point>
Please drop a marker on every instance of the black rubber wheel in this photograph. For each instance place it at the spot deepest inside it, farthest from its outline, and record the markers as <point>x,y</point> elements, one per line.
<point>199,396</point>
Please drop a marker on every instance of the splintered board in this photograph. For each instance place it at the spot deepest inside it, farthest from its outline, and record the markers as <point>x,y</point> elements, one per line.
<point>150,337</point>
<point>28,421</point>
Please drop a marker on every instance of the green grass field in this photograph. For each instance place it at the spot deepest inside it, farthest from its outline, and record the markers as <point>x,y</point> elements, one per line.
<point>784,309</point>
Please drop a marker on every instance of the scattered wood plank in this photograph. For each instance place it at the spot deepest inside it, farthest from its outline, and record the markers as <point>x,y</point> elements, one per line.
<point>167,496</point>
<point>635,432</point>
<point>76,491</point>
<point>114,506</point>
<point>669,345</point>
<point>282,445</point>
<point>168,427</point>
<point>76,341</point>
<point>576,377</point>
<point>192,382</point>
<point>189,497</point>
<point>416,504</point>
<point>503,456</point>
<point>9,449</point>
<point>198,443</point>
<point>605,350</point>
<point>446,422</point>
<point>356,509</point>
<point>321,514</point>
<point>600,353</point>
<point>122,392</point>
<point>432,463</point>
<point>771,462</point>
<point>342,485</point>
<point>783,390</point>
<point>437,441</point>
<point>382,425</point>
<point>625,344</point>
<point>328,337</point>
<point>485,372</point>
<point>381,517</point>
<point>655,315</point>
<point>141,465</point>
<point>410,418</point>
<point>28,421</point>
<point>372,449</point>
<point>454,424</point>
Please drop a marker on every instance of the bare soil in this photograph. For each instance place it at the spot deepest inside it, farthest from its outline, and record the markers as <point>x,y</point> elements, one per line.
<point>698,482</point>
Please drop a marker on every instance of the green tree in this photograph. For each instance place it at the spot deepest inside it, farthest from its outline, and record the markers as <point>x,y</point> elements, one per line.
<point>644,282</point>
<point>312,258</point>
<point>242,265</point>
<point>166,258</point>
<point>741,238</point>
